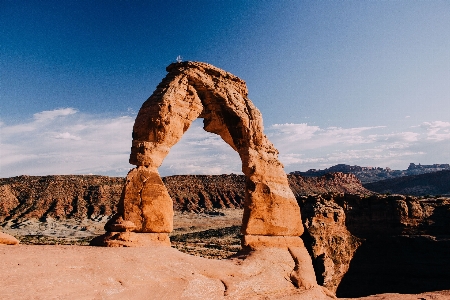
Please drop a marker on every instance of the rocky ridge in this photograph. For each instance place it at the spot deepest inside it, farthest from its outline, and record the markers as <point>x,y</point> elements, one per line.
<point>434,183</point>
<point>374,174</point>
<point>94,197</point>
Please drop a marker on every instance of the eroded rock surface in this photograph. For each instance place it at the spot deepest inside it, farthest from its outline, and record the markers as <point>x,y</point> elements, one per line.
<point>78,197</point>
<point>371,244</point>
<point>26,272</point>
<point>194,90</point>
<point>331,245</point>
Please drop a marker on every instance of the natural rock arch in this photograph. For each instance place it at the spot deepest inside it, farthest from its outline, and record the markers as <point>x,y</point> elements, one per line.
<point>194,90</point>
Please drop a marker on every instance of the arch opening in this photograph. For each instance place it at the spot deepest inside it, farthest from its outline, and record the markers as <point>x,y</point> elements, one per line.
<point>200,153</point>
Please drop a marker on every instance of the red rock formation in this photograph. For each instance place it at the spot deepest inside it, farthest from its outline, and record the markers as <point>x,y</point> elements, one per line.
<point>271,217</point>
<point>60,197</point>
<point>401,242</point>
<point>194,90</point>
<point>330,244</point>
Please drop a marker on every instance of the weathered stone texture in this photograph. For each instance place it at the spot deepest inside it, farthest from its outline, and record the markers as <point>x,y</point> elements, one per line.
<point>131,239</point>
<point>145,202</point>
<point>331,245</point>
<point>192,90</point>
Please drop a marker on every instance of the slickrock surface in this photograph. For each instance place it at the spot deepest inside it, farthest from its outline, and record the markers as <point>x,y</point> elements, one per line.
<point>74,272</point>
<point>439,295</point>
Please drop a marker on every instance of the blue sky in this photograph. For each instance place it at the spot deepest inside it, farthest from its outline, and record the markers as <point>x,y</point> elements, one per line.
<point>356,82</point>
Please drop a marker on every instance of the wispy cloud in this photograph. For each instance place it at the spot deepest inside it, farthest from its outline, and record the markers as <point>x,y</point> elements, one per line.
<point>201,152</point>
<point>66,141</point>
<point>369,146</point>
<point>67,136</point>
<point>437,130</point>
<point>48,115</point>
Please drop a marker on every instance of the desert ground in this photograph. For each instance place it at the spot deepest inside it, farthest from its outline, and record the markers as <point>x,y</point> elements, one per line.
<point>53,262</point>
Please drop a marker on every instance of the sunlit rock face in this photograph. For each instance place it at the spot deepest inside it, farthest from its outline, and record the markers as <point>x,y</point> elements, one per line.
<point>194,90</point>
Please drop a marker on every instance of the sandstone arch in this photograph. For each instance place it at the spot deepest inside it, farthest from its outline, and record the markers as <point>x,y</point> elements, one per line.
<point>194,90</point>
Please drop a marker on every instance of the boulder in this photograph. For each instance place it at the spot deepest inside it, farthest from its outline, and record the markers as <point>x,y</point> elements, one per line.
<point>6,239</point>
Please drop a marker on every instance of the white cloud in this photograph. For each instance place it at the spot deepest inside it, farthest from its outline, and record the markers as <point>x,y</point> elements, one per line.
<point>52,114</point>
<point>437,130</point>
<point>293,137</point>
<point>200,152</point>
<point>370,146</point>
<point>65,141</point>
<point>67,136</point>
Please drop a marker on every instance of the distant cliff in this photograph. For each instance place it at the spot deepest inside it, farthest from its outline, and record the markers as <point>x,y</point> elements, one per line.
<point>435,183</point>
<point>80,196</point>
<point>373,174</point>
<point>60,197</point>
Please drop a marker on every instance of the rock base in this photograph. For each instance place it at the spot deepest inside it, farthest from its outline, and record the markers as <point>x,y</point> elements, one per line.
<point>302,274</point>
<point>131,239</point>
<point>254,242</point>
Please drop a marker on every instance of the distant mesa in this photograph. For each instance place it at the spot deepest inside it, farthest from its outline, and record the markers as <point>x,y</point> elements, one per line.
<point>373,174</point>
<point>426,184</point>
<point>431,168</point>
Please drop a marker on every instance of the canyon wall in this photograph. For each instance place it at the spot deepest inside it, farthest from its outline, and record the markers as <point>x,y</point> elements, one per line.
<point>370,244</point>
<point>89,196</point>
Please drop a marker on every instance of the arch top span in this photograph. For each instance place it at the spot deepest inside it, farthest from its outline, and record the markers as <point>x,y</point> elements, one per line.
<point>189,91</point>
<point>194,90</point>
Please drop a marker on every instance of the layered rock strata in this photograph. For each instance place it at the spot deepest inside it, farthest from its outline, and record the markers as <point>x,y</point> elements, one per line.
<point>370,244</point>
<point>331,245</point>
<point>94,197</point>
<point>59,197</point>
